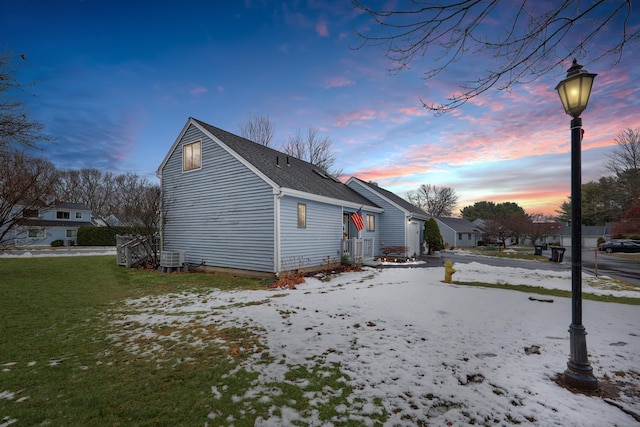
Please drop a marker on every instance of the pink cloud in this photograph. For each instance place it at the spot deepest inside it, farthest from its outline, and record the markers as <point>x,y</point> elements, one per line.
<point>322,29</point>
<point>357,116</point>
<point>338,81</point>
<point>412,111</point>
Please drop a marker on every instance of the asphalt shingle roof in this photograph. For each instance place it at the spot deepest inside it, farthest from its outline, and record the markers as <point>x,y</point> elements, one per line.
<point>287,171</point>
<point>394,198</point>
<point>460,225</point>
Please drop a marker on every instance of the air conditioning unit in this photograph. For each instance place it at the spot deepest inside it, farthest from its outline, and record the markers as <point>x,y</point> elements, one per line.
<point>171,259</point>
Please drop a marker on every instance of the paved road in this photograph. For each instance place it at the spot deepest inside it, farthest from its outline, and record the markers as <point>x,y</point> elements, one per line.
<point>605,264</point>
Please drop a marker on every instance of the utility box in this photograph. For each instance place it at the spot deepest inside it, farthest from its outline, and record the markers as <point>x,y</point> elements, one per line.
<point>171,259</point>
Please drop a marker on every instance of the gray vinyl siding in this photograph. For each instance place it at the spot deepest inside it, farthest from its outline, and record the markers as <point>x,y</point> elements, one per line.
<point>392,221</point>
<point>448,235</point>
<point>310,246</point>
<point>353,231</point>
<point>221,215</point>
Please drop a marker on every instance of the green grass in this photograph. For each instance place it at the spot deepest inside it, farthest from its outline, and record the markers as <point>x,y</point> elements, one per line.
<point>65,360</point>
<point>552,292</point>
<point>511,252</point>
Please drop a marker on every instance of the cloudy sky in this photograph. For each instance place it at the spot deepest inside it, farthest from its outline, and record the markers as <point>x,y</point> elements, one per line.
<point>117,80</point>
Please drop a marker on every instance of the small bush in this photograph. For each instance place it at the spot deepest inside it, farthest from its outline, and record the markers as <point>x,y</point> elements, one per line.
<point>57,243</point>
<point>393,250</point>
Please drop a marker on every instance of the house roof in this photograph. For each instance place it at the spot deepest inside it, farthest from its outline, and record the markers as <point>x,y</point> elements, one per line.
<point>283,170</point>
<point>68,205</point>
<point>394,198</point>
<point>586,230</point>
<point>459,225</point>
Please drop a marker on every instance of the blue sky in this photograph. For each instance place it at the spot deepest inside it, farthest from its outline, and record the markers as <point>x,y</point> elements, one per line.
<point>117,80</point>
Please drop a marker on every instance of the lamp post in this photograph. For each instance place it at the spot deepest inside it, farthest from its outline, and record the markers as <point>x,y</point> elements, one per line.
<point>574,93</point>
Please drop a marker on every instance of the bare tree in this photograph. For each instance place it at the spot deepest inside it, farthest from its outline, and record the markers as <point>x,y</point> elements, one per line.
<point>142,212</point>
<point>258,129</point>
<point>90,187</point>
<point>624,162</point>
<point>313,149</point>
<point>539,226</point>
<point>17,129</point>
<point>537,37</point>
<point>436,201</point>
<point>24,180</point>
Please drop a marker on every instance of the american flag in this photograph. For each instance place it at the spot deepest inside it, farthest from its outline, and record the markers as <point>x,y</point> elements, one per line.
<point>356,217</point>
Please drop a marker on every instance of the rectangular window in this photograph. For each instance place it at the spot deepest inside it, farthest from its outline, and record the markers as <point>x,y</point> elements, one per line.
<point>62,215</point>
<point>191,156</point>
<point>78,215</point>
<point>371,223</point>
<point>36,233</point>
<point>72,233</point>
<point>459,236</point>
<point>302,215</point>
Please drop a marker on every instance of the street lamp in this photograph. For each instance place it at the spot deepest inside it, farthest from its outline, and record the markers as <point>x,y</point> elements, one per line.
<point>574,93</point>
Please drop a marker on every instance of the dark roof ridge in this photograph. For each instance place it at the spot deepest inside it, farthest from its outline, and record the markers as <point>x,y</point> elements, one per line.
<point>296,174</point>
<point>394,197</point>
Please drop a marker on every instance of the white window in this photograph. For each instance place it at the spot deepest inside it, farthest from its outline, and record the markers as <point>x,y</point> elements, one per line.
<point>191,156</point>
<point>71,233</point>
<point>78,215</point>
<point>36,233</point>
<point>302,215</point>
<point>371,223</point>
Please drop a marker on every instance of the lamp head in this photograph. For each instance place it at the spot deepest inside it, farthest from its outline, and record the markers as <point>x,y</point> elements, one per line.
<point>575,90</point>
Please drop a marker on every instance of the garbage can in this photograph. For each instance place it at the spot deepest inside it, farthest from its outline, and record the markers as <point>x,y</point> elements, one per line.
<point>557,254</point>
<point>538,250</point>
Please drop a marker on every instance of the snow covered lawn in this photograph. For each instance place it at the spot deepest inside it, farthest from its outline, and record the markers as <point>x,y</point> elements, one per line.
<point>414,350</point>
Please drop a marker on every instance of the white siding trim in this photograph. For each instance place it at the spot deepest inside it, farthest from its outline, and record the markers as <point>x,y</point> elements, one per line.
<point>391,202</point>
<point>277,249</point>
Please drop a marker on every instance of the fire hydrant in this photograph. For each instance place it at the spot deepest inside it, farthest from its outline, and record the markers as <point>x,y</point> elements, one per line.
<point>448,271</point>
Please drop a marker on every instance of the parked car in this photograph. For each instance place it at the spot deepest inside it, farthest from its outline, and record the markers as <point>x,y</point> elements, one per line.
<point>629,246</point>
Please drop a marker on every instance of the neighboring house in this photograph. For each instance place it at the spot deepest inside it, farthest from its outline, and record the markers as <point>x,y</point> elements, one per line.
<point>401,224</point>
<point>233,205</point>
<point>58,221</point>
<point>590,235</point>
<point>458,232</point>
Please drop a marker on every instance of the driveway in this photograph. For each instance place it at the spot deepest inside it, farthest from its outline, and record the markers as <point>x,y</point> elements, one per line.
<point>594,263</point>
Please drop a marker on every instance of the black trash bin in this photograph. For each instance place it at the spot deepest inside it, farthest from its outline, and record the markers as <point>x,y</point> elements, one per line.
<point>538,249</point>
<point>557,254</point>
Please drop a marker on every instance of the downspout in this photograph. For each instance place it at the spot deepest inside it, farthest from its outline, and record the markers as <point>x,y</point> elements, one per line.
<point>277,196</point>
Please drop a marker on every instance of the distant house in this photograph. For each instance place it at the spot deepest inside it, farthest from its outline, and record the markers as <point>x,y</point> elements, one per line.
<point>590,235</point>
<point>458,232</point>
<point>58,221</point>
<point>232,205</point>
<point>402,223</point>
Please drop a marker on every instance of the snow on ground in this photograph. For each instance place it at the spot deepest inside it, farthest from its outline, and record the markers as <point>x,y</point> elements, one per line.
<point>46,251</point>
<point>432,353</point>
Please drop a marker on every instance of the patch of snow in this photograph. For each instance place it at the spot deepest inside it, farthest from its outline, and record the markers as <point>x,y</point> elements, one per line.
<point>430,352</point>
